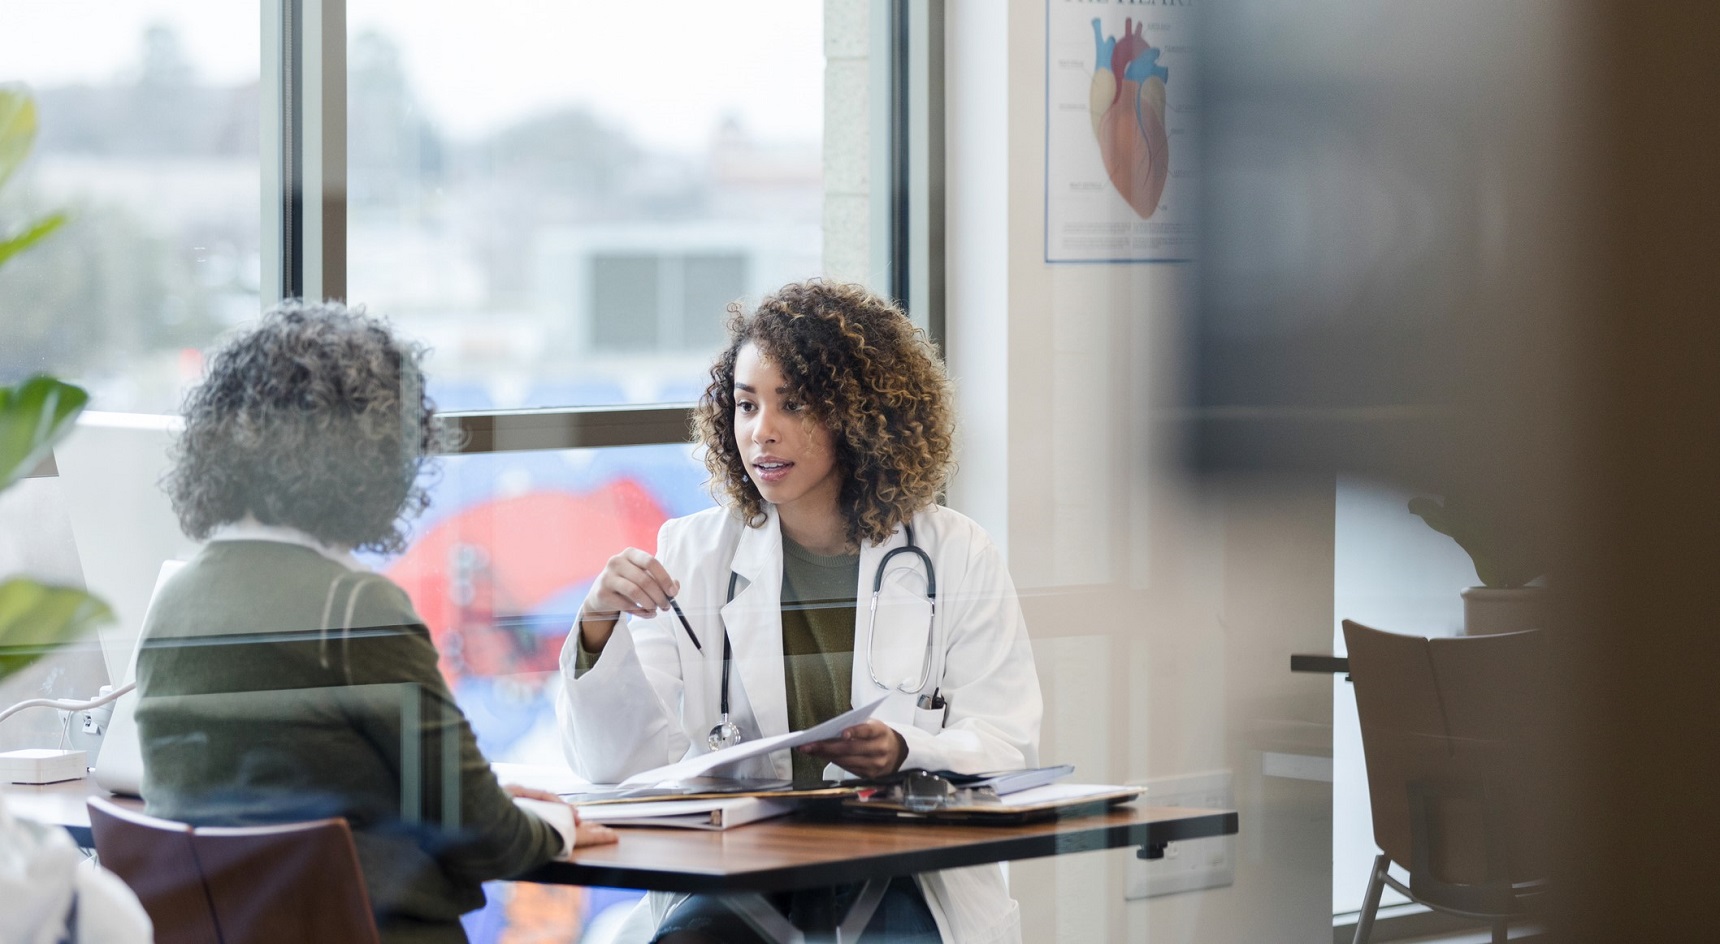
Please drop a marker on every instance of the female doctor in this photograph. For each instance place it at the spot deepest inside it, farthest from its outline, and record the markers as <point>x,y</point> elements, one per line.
<point>827,578</point>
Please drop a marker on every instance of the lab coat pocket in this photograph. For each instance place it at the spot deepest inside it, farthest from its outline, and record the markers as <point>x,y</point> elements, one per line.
<point>930,720</point>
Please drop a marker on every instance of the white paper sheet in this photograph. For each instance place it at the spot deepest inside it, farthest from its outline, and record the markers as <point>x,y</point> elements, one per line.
<point>552,778</point>
<point>703,764</point>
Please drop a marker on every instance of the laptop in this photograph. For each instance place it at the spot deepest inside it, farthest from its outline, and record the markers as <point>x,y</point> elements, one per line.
<point>119,765</point>
<point>111,467</point>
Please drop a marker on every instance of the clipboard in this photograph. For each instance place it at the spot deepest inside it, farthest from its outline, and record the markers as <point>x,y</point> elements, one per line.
<point>1055,801</point>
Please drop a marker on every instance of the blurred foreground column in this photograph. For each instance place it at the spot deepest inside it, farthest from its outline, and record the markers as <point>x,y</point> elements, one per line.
<point>1469,248</point>
<point>1642,680</point>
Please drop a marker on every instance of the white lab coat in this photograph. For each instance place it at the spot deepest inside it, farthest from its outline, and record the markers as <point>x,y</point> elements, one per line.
<point>651,697</point>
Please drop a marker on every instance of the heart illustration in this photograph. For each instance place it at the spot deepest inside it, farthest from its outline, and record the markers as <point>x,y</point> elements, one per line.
<point>1126,102</point>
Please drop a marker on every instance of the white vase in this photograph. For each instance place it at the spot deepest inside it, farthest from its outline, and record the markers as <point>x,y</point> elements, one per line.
<point>1487,610</point>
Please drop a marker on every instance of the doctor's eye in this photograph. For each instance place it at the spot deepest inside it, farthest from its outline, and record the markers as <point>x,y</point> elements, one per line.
<point>745,406</point>
<point>793,406</point>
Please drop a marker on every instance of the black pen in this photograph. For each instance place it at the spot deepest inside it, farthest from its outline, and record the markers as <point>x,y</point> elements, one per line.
<point>685,625</point>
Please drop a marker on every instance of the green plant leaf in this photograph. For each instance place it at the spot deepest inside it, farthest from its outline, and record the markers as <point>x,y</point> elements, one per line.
<point>17,129</point>
<point>32,234</point>
<point>32,416</point>
<point>35,618</point>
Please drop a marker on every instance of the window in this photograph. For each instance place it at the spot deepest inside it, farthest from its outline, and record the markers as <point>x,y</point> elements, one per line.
<point>149,139</point>
<point>1391,572</point>
<point>662,301</point>
<point>566,215</point>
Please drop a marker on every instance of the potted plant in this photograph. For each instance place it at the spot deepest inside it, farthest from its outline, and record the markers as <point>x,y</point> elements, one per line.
<point>1507,560</point>
<point>51,894</point>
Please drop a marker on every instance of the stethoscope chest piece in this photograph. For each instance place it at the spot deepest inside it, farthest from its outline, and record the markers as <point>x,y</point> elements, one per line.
<point>724,733</point>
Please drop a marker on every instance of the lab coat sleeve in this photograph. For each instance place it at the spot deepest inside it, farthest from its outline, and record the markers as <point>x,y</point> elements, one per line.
<point>989,679</point>
<point>621,716</point>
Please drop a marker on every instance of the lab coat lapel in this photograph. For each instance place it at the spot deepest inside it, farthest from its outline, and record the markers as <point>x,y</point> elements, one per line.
<point>754,620</point>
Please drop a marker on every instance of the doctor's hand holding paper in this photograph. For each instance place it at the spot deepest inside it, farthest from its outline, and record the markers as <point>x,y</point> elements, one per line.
<point>827,578</point>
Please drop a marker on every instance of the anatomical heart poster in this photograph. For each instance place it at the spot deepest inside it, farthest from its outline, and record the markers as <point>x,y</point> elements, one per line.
<point>1119,138</point>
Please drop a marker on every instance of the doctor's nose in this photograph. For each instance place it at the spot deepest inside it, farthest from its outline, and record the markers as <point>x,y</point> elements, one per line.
<point>764,431</point>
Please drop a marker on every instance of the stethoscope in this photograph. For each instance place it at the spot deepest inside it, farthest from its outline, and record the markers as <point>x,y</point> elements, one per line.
<point>725,733</point>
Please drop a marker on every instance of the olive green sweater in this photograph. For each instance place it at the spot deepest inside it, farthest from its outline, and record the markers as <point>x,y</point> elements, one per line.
<point>277,685</point>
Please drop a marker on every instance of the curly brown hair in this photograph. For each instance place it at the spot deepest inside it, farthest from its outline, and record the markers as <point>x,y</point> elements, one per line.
<point>867,373</point>
<point>315,418</point>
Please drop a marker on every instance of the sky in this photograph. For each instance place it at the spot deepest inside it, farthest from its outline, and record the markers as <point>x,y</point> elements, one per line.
<point>667,69</point>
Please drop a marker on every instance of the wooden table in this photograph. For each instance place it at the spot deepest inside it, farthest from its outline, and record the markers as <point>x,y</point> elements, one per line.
<point>794,853</point>
<point>786,854</point>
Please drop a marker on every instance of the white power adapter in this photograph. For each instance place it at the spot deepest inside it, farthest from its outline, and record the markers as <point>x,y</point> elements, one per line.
<point>40,765</point>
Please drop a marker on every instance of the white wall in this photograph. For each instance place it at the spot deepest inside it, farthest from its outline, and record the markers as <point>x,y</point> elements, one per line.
<point>1163,612</point>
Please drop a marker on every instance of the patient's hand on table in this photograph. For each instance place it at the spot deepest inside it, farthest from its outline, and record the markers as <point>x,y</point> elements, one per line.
<point>584,834</point>
<point>869,749</point>
<point>591,834</point>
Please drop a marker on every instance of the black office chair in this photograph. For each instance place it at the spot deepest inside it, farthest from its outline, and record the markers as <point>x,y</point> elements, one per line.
<point>1453,736</point>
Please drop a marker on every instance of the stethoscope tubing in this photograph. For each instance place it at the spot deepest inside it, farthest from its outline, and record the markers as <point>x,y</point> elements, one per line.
<point>931,620</point>
<point>871,625</point>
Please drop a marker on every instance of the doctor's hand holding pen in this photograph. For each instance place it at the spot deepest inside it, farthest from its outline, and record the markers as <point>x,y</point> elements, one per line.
<point>632,582</point>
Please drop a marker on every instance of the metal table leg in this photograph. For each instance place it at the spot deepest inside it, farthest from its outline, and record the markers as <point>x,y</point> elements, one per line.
<point>767,921</point>
<point>770,923</point>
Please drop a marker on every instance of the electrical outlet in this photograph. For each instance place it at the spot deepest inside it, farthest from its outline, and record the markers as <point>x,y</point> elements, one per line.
<point>87,728</point>
<point>1196,863</point>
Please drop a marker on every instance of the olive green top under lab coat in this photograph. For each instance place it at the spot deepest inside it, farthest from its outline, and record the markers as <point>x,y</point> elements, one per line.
<point>278,685</point>
<point>817,641</point>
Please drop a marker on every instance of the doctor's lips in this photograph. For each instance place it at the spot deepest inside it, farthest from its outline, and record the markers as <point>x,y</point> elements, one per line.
<point>771,469</point>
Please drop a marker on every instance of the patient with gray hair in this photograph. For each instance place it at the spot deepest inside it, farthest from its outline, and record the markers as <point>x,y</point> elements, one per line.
<point>280,679</point>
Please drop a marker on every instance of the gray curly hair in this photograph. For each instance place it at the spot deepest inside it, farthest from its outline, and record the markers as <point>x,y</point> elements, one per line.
<point>314,419</point>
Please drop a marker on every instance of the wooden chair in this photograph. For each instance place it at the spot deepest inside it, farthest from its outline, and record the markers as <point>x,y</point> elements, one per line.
<point>1452,734</point>
<point>238,885</point>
